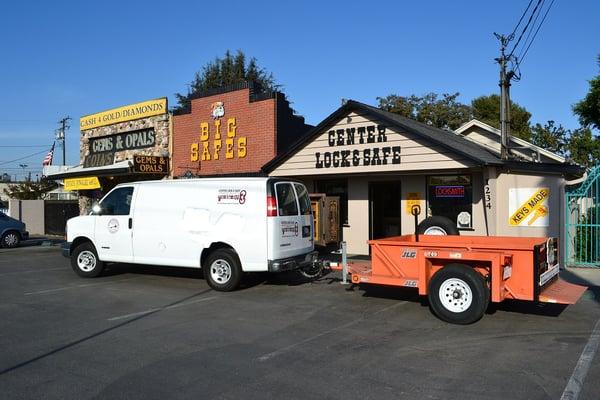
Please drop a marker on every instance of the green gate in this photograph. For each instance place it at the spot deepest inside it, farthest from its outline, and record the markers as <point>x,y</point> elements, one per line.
<point>582,244</point>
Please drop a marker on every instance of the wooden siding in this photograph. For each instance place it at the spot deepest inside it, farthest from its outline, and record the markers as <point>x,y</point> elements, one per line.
<point>415,153</point>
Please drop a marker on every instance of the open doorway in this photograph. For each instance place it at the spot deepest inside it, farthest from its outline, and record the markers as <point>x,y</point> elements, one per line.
<point>385,209</point>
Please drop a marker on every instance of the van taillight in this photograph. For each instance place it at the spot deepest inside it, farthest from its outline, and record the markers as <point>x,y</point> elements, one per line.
<point>271,206</point>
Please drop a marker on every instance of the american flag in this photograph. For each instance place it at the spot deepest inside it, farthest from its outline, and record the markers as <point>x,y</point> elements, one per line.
<point>49,156</point>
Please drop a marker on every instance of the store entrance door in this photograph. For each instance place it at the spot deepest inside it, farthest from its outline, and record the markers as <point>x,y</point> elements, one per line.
<point>384,209</point>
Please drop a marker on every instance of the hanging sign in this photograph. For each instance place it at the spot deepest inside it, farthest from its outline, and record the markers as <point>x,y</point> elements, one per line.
<point>528,207</point>
<point>150,165</point>
<point>88,183</point>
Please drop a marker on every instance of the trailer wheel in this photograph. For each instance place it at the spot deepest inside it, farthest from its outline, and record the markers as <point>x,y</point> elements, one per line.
<point>437,226</point>
<point>458,294</point>
<point>85,261</point>
<point>223,270</point>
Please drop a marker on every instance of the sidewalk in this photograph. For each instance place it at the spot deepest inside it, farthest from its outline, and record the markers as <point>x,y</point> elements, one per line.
<point>583,276</point>
<point>43,240</point>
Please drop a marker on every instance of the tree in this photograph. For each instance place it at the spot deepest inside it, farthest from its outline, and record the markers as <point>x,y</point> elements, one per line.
<point>487,109</point>
<point>226,71</point>
<point>550,137</point>
<point>588,109</point>
<point>29,190</point>
<point>584,148</point>
<point>445,113</point>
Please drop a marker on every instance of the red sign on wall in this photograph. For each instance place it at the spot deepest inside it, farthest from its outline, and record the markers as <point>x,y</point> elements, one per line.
<point>449,191</point>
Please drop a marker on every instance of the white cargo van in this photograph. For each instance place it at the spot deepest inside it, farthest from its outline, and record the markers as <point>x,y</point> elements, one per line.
<point>226,226</point>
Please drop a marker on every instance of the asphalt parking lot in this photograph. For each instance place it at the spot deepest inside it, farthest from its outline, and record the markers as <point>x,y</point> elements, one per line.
<point>159,333</point>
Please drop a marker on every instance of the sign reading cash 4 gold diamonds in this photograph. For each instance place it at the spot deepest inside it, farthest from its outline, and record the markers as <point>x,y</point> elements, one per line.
<point>144,109</point>
<point>529,207</point>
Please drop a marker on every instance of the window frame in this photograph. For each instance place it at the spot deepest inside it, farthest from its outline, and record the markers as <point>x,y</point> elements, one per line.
<point>428,205</point>
<point>295,199</point>
<point>103,212</point>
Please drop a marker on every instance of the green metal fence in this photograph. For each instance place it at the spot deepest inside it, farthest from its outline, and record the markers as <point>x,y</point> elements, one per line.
<point>582,242</point>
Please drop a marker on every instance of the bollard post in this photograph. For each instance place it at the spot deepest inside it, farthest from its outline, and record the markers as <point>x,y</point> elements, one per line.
<point>344,264</point>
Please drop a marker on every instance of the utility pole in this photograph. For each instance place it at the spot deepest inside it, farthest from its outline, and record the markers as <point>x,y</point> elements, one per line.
<point>61,133</point>
<point>505,78</point>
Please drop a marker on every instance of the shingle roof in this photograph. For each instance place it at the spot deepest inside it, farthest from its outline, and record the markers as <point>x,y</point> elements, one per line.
<point>449,140</point>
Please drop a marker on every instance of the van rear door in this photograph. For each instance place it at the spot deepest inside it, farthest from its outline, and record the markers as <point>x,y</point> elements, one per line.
<point>290,227</point>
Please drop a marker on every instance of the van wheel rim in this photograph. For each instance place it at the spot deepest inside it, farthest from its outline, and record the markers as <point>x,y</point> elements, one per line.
<point>86,261</point>
<point>435,230</point>
<point>11,240</point>
<point>220,271</point>
<point>455,295</point>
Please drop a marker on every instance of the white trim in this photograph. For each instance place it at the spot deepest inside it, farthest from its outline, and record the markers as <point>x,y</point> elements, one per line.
<point>125,164</point>
<point>521,142</point>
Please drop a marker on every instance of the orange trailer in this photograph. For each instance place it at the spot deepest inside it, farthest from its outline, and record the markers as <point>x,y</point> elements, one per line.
<point>462,274</point>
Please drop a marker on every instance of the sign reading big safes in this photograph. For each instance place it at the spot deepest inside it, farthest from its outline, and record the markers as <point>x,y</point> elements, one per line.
<point>528,207</point>
<point>130,112</point>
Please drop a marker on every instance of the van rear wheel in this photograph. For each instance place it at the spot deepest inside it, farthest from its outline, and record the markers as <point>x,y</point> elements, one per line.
<point>223,270</point>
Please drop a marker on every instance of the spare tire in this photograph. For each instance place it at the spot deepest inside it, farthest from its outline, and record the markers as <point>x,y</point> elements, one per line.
<point>437,226</point>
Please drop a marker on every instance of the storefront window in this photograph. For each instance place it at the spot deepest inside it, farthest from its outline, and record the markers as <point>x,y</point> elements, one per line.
<point>338,187</point>
<point>451,196</point>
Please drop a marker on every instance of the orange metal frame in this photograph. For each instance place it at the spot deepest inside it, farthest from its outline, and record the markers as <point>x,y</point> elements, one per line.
<point>505,262</point>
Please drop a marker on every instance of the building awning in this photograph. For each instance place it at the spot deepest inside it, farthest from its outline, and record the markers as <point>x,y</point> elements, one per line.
<point>118,168</point>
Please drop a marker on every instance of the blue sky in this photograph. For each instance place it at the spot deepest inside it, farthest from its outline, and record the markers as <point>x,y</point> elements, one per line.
<point>74,58</point>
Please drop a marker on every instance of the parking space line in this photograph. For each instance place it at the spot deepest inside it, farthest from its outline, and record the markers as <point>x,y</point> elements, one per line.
<point>575,384</point>
<point>151,310</point>
<point>77,286</point>
<point>275,353</point>
<point>32,270</point>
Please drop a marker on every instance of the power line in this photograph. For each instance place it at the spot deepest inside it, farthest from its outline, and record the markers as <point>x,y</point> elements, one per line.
<point>23,158</point>
<point>521,57</point>
<point>37,145</point>
<point>526,26</point>
<point>512,35</point>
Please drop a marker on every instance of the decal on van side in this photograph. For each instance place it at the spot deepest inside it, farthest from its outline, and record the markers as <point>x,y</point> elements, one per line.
<point>113,225</point>
<point>231,196</point>
<point>289,228</point>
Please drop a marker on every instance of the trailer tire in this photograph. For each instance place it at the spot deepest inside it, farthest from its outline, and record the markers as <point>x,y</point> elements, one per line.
<point>458,294</point>
<point>437,226</point>
<point>223,270</point>
<point>85,261</point>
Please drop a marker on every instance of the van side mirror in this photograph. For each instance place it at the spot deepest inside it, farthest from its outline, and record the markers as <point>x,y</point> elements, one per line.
<point>96,209</point>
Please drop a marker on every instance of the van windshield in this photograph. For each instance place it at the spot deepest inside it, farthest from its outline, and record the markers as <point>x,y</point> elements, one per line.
<point>303,199</point>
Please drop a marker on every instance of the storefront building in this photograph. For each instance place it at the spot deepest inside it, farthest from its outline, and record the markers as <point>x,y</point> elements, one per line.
<point>232,130</point>
<point>381,164</point>
<point>124,144</point>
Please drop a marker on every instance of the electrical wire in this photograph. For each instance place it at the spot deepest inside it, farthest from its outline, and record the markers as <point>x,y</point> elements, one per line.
<point>526,27</point>
<point>521,57</point>
<point>512,35</point>
<point>23,158</point>
<point>37,145</point>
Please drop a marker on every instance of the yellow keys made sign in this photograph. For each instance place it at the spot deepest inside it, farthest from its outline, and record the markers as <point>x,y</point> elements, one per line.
<point>529,206</point>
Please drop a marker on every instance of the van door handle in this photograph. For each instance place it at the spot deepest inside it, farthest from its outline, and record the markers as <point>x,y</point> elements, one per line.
<point>130,222</point>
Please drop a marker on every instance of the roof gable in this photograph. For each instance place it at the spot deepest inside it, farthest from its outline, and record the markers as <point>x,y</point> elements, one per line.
<point>447,143</point>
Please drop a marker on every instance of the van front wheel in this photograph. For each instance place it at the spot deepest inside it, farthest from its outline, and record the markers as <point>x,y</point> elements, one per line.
<point>85,261</point>
<point>222,270</point>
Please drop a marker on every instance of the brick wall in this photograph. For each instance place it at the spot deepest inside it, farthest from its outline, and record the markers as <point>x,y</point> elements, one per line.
<point>254,123</point>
